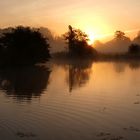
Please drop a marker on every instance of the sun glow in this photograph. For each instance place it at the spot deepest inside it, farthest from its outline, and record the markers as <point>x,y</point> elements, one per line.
<point>95,27</point>
<point>91,37</point>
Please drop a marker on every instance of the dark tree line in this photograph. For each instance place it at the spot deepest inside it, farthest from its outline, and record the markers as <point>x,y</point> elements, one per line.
<point>23,45</point>
<point>134,49</point>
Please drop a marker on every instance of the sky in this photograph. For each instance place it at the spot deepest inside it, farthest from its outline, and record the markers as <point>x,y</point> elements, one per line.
<point>98,18</point>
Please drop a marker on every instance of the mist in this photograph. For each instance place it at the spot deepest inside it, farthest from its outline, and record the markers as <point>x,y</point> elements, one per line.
<point>116,45</point>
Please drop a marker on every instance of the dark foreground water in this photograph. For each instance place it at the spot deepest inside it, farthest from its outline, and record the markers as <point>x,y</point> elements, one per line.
<point>90,101</point>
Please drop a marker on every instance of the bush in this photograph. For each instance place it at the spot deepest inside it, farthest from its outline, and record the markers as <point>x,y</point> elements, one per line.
<point>134,49</point>
<point>23,45</point>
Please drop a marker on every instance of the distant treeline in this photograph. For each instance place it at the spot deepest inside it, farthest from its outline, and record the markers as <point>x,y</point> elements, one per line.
<point>121,47</point>
<point>119,44</point>
<point>25,45</point>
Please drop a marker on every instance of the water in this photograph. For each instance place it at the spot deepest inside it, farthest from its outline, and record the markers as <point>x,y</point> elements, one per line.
<point>75,101</point>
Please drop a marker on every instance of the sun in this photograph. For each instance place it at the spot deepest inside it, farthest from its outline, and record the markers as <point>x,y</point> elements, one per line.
<point>91,37</point>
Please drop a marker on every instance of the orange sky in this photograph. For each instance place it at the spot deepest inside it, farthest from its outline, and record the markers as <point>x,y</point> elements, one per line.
<point>98,18</point>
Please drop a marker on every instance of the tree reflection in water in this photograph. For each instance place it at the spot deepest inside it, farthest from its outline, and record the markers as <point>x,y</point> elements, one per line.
<point>120,66</point>
<point>134,65</point>
<point>79,74</point>
<point>24,82</point>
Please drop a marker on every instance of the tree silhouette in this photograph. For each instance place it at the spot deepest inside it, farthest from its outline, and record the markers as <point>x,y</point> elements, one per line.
<point>23,45</point>
<point>119,35</point>
<point>137,39</point>
<point>134,49</point>
<point>77,42</point>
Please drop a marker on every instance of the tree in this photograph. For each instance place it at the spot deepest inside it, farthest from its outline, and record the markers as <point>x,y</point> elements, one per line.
<point>137,39</point>
<point>134,49</point>
<point>77,42</point>
<point>23,45</point>
<point>119,35</point>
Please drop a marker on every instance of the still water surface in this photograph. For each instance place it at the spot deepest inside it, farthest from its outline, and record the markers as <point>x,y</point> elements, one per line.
<point>92,101</point>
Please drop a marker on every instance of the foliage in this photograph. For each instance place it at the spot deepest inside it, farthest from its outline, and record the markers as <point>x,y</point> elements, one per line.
<point>77,42</point>
<point>119,35</point>
<point>137,39</point>
<point>134,49</point>
<point>23,45</point>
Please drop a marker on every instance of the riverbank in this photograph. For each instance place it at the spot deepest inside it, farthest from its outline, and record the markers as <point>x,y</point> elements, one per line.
<point>97,57</point>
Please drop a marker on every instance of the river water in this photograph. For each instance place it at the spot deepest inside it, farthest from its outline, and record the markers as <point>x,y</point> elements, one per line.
<point>71,101</point>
